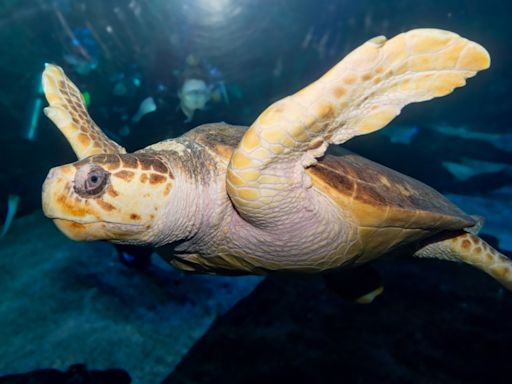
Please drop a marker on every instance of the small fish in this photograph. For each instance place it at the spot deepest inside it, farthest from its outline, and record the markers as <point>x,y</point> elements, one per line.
<point>147,106</point>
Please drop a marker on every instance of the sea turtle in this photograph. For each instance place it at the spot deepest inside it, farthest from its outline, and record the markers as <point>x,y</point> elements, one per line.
<point>224,199</point>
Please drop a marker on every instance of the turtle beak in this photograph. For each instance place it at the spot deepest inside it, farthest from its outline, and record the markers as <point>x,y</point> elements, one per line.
<point>76,217</point>
<point>80,232</point>
<point>58,205</point>
<point>58,199</point>
<point>52,183</point>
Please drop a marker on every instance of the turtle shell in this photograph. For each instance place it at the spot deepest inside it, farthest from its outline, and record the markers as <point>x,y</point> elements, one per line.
<point>388,208</point>
<point>219,138</point>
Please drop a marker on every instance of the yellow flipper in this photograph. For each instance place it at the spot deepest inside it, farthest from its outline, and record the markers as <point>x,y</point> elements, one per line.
<point>471,249</point>
<point>359,95</point>
<point>68,112</point>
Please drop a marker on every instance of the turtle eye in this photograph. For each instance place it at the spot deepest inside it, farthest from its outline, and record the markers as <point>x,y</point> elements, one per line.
<point>91,181</point>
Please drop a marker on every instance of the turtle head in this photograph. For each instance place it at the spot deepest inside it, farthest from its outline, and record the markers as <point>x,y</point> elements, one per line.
<point>109,194</point>
<point>117,197</point>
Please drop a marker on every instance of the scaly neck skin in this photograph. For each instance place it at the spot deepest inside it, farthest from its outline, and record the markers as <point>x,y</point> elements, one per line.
<point>187,214</point>
<point>181,217</point>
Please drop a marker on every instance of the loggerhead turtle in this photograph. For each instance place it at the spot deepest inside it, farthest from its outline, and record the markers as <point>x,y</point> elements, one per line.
<point>226,199</point>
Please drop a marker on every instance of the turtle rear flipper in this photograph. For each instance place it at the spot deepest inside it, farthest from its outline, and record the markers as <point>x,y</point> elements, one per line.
<point>68,112</point>
<point>471,249</point>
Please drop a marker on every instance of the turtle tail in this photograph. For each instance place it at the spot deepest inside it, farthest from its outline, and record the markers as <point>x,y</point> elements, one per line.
<point>471,249</point>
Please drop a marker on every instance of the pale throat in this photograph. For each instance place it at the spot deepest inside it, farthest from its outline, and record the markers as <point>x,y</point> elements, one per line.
<point>182,216</point>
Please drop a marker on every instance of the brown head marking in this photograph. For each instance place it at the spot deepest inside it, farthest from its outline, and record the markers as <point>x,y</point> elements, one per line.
<point>106,196</point>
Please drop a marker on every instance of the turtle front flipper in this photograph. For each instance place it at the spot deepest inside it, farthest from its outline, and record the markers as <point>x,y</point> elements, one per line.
<point>359,95</point>
<point>68,112</point>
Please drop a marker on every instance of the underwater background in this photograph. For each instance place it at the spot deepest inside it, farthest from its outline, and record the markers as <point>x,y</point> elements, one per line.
<point>79,311</point>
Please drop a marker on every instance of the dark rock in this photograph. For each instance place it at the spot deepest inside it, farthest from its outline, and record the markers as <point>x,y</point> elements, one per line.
<point>75,374</point>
